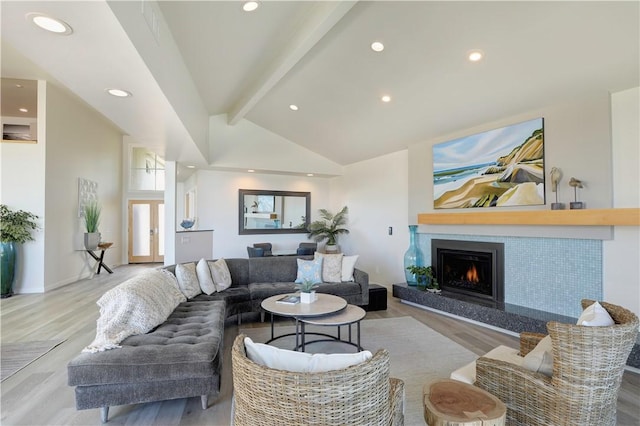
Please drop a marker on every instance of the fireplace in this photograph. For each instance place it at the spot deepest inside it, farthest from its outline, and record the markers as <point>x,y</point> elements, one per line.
<point>470,270</point>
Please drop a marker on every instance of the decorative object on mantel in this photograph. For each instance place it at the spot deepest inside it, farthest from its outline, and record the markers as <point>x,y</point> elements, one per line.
<point>425,278</point>
<point>556,176</point>
<point>329,228</point>
<point>92,220</point>
<point>15,228</point>
<point>500,167</point>
<point>413,257</point>
<point>187,223</point>
<point>575,204</point>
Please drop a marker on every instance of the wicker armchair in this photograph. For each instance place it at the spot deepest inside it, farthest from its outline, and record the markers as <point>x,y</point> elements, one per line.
<point>588,363</point>
<point>362,394</point>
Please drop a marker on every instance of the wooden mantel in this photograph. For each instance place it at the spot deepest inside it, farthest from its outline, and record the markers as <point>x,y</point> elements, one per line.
<point>597,217</point>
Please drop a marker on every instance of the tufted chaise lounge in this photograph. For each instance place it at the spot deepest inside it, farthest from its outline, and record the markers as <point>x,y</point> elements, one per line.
<point>181,358</point>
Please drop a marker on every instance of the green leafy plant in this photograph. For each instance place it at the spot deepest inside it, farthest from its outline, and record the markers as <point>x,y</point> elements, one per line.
<point>425,275</point>
<point>329,227</point>
<point>92,216</point>
<point>306,286</point>
<point>16,226</point>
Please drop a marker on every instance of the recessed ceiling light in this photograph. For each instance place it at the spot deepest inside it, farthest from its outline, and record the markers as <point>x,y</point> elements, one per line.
<point>293,107</point>
<point>191,167</point>
<point>251,171</point>
<point>310,174</point>
<point>50,24</point>
<point>119,93</point>
<point>23,110</point>
<point>376,46</point>
<point>19,86</point>
<point>386,98</point>
<point>475,55</point>
<point>250,6</point>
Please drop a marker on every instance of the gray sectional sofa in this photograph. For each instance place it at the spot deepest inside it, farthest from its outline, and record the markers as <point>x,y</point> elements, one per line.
<point>183,356</point>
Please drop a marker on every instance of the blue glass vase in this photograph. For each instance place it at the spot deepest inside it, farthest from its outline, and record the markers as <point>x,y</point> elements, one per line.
<point>413,256</point>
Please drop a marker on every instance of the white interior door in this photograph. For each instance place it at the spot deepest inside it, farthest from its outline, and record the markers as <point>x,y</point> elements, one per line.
<point>146,231</point>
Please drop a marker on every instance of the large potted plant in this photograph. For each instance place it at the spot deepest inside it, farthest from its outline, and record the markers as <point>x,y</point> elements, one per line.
<point>329,228</point>
<point>15,228</point>
<point>92,220</point>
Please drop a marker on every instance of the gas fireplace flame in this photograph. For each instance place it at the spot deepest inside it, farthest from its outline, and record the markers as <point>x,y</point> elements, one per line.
<point>472,274</point>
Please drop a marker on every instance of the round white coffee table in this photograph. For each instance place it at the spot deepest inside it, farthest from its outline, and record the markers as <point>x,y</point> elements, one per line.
<point>325,304</point>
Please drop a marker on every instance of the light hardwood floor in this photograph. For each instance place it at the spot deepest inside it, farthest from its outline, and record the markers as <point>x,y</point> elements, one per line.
<point>39,394</point>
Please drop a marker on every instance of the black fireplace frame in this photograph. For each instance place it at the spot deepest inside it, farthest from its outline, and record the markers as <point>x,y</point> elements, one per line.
<point>496,250</point>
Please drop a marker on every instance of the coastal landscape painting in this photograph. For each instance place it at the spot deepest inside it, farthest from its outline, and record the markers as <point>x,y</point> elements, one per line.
<point>498,168</point>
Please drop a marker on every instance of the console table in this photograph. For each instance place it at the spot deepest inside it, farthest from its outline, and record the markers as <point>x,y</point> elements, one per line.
<point>100,259</point>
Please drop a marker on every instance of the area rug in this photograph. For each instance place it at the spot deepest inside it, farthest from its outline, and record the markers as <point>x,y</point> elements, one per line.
<point>15,356</point>
<point>418,353</point>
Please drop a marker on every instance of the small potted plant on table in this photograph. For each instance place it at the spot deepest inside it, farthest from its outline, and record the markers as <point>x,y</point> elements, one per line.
<point>92,220</point>
<point>307,292</point>
<point>425,277</point>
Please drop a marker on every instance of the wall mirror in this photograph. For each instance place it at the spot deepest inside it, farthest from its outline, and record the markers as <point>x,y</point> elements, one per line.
<point>273,212</point>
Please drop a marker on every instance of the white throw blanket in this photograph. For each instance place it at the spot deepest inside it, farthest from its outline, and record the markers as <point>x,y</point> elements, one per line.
<point>135,307</point>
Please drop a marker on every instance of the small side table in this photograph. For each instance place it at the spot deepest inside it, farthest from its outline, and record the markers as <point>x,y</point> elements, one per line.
<point>100,259</point>
<point>351,314</point>
<point>450,402</point>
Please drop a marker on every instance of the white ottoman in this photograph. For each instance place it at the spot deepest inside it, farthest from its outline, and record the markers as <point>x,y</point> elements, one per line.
<point>467,374</point>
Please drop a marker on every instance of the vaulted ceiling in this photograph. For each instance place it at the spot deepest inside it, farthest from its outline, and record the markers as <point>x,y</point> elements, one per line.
<point>200,68</point>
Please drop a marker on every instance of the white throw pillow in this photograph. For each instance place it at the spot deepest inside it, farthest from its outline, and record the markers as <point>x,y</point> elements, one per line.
<point>301,362</point>
<point>188,279</point>
<point>348,265</point>
<point>540,359</point>
<point>331,267</point>
<point>204,277</point>
<point>595,316</point>
<point>220,273</point>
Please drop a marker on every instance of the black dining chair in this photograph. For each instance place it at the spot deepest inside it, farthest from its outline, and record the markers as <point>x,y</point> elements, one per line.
<point>306,249</point>
<point>255,252</point>
<point>266,247</point>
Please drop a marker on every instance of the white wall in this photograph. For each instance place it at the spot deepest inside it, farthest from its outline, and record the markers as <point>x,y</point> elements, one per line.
<point>376,192</point>
<point>218,207</point>
<point>577,140</point>
<point>73,141</point>
<point>22,176</point>
<point>80,144</point>
<point>621,268</point>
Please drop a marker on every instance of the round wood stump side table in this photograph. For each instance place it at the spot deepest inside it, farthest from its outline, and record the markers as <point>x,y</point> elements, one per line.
<point>453,403</point>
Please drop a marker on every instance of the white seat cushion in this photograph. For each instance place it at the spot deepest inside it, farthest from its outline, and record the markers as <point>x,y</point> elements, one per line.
<point>301,362</point>
<point>467,374</point>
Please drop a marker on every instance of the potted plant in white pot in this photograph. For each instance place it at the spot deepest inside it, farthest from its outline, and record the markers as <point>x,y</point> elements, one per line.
<point>15,228</point>
<point>307,292</point>
<point>92,220</point>
<point>329,228</point>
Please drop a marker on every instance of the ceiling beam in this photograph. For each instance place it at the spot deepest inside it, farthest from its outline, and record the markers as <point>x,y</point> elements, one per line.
<point>323,17</point>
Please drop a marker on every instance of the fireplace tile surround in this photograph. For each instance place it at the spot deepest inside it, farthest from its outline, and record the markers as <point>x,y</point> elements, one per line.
<point>546,274</point>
